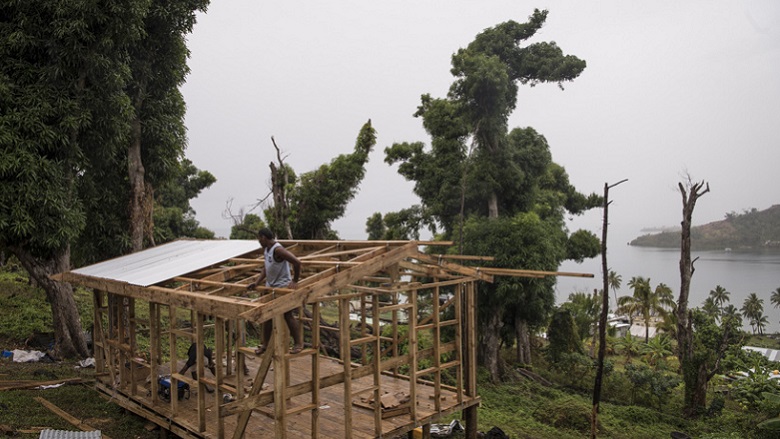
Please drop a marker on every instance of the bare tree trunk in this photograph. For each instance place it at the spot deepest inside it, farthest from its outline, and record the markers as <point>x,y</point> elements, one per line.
<point>136,176</point>
<point>489,346</point>
<point>523,342</point>
<point>68,334</point>
<point>604,311</point>
<point>693,372</point>
<point>493,205</point>
<point>279,181</point>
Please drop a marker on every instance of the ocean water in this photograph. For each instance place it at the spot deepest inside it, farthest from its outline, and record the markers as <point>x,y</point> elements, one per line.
<point>739,272</point>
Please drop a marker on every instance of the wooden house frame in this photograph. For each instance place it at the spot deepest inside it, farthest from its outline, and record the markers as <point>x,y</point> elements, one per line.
<point>388,297</point>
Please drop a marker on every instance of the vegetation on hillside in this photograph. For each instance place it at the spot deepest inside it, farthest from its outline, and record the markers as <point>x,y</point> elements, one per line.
<point>642,396</point>
<point>751,229</point>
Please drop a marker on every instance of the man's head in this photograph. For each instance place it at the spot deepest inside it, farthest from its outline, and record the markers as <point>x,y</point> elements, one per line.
<point>265,236</point>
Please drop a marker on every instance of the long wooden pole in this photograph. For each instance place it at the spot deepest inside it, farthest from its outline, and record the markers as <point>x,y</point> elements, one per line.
<point>604,312</point>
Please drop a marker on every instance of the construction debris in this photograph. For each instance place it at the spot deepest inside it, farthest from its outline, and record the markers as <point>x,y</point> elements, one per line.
<point>71,419</point>
<point>390,404</point>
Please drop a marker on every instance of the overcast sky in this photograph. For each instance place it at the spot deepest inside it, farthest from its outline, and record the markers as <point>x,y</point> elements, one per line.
<point>670,87</point>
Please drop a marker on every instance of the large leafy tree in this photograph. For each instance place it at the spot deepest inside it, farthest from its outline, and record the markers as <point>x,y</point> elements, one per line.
<point>62,79</point>
<point>173,216</point>
<point>477,169</point>
<point>158,66</point>
<point>64,132</point>
<point>305,206</point>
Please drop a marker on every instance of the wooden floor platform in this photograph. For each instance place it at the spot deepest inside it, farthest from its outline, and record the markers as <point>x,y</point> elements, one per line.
<point>331,411</point>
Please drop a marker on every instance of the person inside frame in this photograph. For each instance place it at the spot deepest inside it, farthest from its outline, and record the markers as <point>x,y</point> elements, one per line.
<point>276,274</point>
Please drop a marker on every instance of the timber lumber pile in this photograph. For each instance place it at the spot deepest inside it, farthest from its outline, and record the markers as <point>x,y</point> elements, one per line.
<point>391,404</point>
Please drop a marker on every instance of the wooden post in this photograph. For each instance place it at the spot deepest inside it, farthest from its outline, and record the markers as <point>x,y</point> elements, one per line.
<point>154,348</point>
<point>219,351</point>
<point>279,337</point>
<point>377,361</point>
<point>413,355</point>
<point>199,340</point>
<point>436,352</point>
<point>174,366</point>
<point>315,369</point>
<point>346,358</point>
<point>470,413</point>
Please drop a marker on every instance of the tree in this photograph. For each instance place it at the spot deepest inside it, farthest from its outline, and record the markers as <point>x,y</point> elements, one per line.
<point>719,297</point>
<point>311,202</point>
<point>248,228</point>
<point>158,66</point>
<point>375,227</point>
<point>525,301</point>
<point>774,299</point>
<point>404,224</point>
<point>173,215</point>
<point>730,312</point>
<point>657,349</point>
<point>697,367</point>
<point>615,281</point>
<point>562,335</point>
<point>478,170</point>
<point>584,308</point>
<point>63,73</point>
<point>66,78</point>
<point>753,309</point>
<point>629,346</point>
<point>646,302</point>
<point>760,321</point>
<point>710,308</point>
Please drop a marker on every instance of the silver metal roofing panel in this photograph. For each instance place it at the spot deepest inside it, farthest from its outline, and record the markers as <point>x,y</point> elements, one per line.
<point>167,261</point>
<point>64,434</point>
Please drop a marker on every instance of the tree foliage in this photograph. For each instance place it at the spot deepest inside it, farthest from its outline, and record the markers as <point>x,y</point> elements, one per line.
<point>317,198</point>
<point>646,302</point>
<point>248,227</point>
<point>563,336</point>
<point>477,169</point>
<point>65,87</point>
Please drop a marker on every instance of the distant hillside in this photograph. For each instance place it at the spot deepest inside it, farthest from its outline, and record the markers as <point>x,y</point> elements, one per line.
<point>752,229</point>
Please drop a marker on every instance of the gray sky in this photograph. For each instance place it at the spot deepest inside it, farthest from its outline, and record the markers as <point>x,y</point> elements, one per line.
<point>671,87</point>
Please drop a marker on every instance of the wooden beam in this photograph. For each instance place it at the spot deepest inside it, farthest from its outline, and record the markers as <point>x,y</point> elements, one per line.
<point>71,419</point>
<point>257,386</point>
<point>375,262</point>
<point>212,305</point>
<point>530,273</point>
<point>466,271</point>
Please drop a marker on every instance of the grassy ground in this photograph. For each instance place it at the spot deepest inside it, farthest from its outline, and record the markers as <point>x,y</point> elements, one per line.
<point>21,413</point>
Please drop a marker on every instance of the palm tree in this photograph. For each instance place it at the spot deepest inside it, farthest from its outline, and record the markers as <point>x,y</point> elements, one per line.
<point>615,281</point>
<point>629,346</point>
<point>657,349</point>
<point>711,308</point>
<point>752,308</point>
<point>731,312</point>
<point>760,321</point>
<point>775,298</point>
<point>719,296</point>
<point>584,308</point>
<point>646,302</point>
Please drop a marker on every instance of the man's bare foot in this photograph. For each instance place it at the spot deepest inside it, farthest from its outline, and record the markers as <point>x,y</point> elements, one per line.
<point>260,350</point>
<point>296,349</point>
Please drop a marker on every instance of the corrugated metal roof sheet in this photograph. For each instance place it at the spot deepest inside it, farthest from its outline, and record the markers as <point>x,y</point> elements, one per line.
<point>167,261</point>
<point>63,434</point>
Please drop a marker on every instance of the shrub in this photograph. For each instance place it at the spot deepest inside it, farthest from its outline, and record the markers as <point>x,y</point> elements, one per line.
<point>567,412</point>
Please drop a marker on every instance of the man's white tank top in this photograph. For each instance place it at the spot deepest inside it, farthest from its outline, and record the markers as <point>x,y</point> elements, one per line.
<point>277,274</point>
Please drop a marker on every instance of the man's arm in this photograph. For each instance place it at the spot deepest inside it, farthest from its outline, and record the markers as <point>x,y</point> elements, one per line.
<point>259,280</point>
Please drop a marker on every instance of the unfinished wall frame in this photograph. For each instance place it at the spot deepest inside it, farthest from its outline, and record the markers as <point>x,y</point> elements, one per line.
<point>390,339</point>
